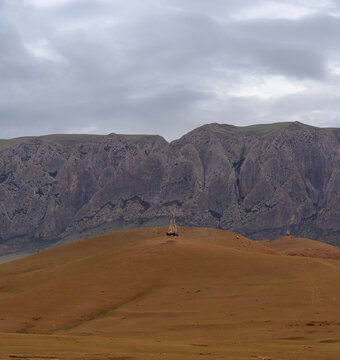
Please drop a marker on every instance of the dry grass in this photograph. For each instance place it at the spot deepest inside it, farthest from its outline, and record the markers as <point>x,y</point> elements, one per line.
<point>290,245</point>
<point>137,295</point>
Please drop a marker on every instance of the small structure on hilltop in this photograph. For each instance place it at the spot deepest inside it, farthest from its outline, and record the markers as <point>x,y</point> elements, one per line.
<point>172,231</point>
<point>288,230</point>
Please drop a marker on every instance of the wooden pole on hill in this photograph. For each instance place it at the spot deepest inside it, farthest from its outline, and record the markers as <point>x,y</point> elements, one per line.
<point>172,231</point>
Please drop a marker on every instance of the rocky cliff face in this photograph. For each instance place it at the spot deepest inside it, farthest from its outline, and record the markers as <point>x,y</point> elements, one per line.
<point>253,180</point>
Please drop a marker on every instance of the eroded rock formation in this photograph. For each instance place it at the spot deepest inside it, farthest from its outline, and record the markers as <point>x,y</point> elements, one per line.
<point>252,180</point>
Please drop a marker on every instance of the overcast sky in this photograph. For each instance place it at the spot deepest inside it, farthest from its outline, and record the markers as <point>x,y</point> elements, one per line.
<point>166,66</point>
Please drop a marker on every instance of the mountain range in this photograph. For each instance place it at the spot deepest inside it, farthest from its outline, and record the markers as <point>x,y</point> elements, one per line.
<point>253,180</point>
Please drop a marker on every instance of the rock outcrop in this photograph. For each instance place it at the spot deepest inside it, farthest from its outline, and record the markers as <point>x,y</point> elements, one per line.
<point>251,180</point>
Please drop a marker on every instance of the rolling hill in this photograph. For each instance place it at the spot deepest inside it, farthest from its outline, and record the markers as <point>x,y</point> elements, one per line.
<point>138,294</point>
<point>290,245</point>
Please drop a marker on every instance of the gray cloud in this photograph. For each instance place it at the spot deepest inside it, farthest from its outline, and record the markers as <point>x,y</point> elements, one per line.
<point>164,66</point>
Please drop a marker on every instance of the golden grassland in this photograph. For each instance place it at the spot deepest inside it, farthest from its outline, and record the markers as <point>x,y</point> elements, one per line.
<point>137,294</point>
<point>290,245</point>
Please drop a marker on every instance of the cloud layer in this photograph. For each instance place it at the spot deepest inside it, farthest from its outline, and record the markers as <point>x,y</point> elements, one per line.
<point>166,66</point>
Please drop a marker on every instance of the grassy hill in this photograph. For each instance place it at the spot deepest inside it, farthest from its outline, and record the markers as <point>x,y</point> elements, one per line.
<point>138,294</point>
<point>290,245</point>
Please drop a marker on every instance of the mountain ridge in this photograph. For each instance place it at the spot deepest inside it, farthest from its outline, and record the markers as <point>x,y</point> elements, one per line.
<point>252,180</point>
<point>61,138</point>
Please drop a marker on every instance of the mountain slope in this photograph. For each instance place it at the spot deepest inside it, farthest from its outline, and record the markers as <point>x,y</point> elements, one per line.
<point>207,291</point>
<point>252,180</point>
